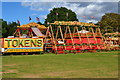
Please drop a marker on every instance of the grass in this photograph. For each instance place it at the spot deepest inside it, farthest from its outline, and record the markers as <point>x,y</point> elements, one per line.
<point>82,65</point>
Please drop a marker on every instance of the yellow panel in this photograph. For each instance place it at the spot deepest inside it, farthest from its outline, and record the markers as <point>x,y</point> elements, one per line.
<point>23,44</point>
<point>24,50</point>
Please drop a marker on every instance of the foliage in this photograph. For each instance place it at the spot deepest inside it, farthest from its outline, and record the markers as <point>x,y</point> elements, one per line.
<point>61,16</point>
<point>39,23</point>
<point>8,28</point>
<point>110,22</point>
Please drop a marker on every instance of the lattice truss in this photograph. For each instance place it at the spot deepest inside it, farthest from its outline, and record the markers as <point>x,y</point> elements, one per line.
<point>75,40</point>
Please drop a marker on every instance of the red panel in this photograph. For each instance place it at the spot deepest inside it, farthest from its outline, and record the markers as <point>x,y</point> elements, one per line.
<point>94,47</point>
<point>69,48</point>
<point>59,52</point>
<point>84,40</point>
<point>86,47</point>
<point>60,48</point>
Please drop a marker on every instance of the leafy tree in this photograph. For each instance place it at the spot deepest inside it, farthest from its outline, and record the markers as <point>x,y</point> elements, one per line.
<point>61,14</point>
<point>8,29</point>
<point>0,30</point>
<point>39,23</point>
<point>110,22</point>
<point>4,28</point>
<point>11,28</point>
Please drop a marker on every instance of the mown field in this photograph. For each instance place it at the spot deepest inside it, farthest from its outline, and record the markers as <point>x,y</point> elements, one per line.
<point>82,65</point>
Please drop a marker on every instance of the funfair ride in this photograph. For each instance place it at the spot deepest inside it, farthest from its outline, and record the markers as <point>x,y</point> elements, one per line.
<point>83,37</point>
<point>30,41</point>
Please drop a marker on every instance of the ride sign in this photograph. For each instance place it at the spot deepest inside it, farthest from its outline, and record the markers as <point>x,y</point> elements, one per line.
<point>23,44</point>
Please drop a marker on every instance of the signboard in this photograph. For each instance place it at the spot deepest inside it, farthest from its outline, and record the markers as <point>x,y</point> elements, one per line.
<point>23,44</point>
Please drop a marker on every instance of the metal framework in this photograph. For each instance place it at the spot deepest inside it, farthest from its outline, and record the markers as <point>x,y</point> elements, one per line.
<point>74,41</point>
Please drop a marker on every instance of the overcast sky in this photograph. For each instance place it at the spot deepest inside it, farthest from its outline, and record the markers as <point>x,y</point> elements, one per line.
<point>21,10</point>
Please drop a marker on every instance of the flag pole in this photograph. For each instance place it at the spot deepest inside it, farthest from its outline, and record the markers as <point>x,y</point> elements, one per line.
<point>38,19</point>
<point>29,19</point>
<point>56,16</point>
<point>92,17</point>
<point>18,22</point>
<point>85,18</point>
<point>67,16</point>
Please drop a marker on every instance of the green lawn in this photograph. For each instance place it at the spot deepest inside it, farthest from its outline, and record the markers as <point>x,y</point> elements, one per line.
<point>82,65</point>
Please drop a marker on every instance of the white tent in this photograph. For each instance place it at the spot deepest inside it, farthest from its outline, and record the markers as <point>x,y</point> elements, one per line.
<point>60,42</point>
<point>83,31</point>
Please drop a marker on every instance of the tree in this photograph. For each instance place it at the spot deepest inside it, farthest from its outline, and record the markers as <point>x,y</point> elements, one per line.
<point>11,28</point>
<point>61,14</point>
<point>39,23</point>
<point>110,22</point>
<point>4,28</point>
<point>8,29</point>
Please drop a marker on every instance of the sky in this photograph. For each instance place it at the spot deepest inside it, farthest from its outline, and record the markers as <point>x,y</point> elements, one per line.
<point>13,11</point>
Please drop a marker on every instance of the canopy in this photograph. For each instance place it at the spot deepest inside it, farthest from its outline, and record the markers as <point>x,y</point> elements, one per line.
<point>83,31</point>
<point>42,27</point>
<point>73,23</point>
<point>32,24</point>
